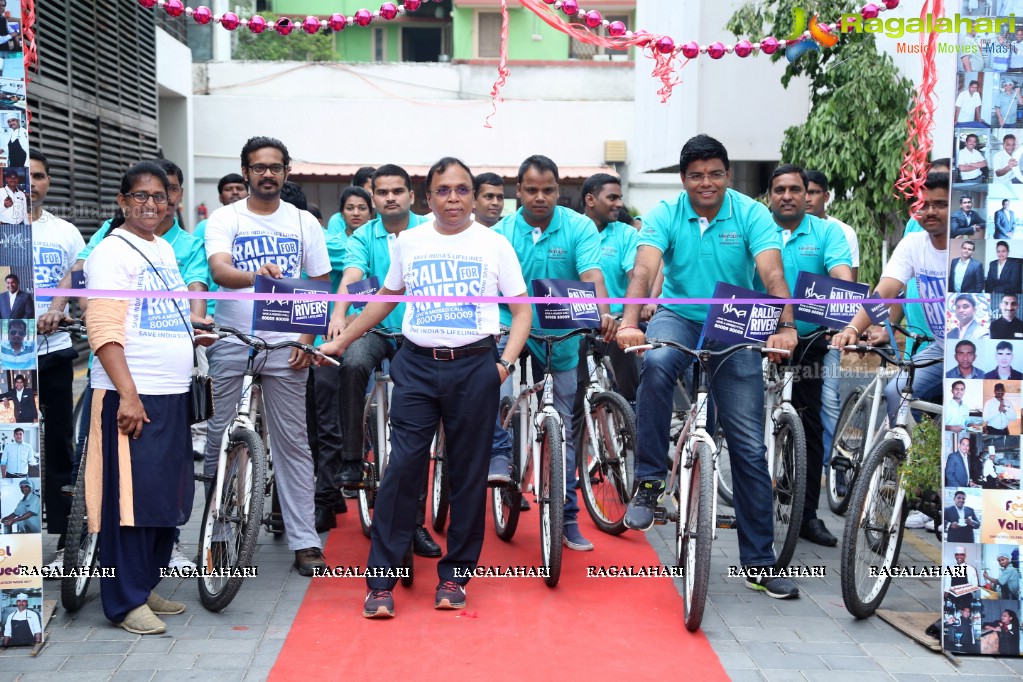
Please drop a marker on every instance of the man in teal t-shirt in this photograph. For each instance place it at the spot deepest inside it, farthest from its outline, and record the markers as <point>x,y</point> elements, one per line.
<point>551,242</point>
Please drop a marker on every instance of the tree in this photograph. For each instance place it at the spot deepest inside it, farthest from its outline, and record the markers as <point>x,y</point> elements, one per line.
<point>298,47</point>
<point>856,127</point>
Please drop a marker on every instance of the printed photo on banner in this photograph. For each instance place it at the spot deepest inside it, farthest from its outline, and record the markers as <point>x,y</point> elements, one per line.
<point>960,457</point>
<point>11,42</point>
<point>14,140</point>
<point>20,506</point>
<point>21,611</point>
<point>17,345</point>
<point>962,514</point>
<point>303,317</point>
<point>962,360</point>
<point>1003,359</point>
<point>12,94</point>
<point>17,551</point>
<point>1005,208</point>
<point>14,204</point>
<point>971,165</point>
<point>1004,156</point>
<point>999,572</point>
<point>999,627</point>
<point>15,299</point>
<point>960,623</point>
<point>967,316</point>
<point>741,322</point>
<point>966,267</point>
<point>831,315</point>
<point>19,399</point>
<point>1005,106</point>
<point>974,91</point>
<point>1001,407</point>
<point>966,213</point>
<point>999,463</point>
<point>1005,321</point>
<point>19,449</point>
<point>561,315</point>
<point>16,250</point>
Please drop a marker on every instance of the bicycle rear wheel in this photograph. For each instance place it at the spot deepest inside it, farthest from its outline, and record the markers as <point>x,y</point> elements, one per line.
<point>552,498</point>
<point>873,529</point>
<point>847,446</point>
<point>505,499</point>
<point>694,532</point>
<point>372,466</point>
<point>80,549</point>
<point>789,486</point>
<point>440,488</point>
<point>231,521</point>
<point>607,462</point>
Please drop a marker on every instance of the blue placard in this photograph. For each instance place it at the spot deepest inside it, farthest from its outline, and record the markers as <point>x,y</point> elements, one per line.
<point>877,312</point>
<point>566,315</point>
<point>301,317</point>
<point>741,322</point>
<point>828,289</point>
<point>78,279</point>
<point>370,285</point>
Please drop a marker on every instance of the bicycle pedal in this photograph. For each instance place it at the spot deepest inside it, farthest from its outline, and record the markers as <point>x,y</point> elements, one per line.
<point>67,491</point>
<point>204,478</point>
<point>660,516</point>
<point>728,522</point>
<point>841,463</point>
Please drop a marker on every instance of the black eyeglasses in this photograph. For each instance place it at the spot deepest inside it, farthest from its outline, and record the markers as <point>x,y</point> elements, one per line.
<point>262,168</point>
<point>143,197</point>
<point>461,191</point>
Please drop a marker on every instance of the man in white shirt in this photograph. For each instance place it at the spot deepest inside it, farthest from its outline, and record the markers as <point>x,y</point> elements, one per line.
<point>16,457</point>
<point>1016,52</point>
<point>1006,163</point>
<point>13,206</point>
<point>956,411</point>
<point>16,141</point>
<point>968,105</point>
<point>22,627</point>
<point>999,412</point>
<point>970,161</point>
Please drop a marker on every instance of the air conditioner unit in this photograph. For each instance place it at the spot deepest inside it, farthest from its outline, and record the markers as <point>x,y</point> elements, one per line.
<point>614,151</point>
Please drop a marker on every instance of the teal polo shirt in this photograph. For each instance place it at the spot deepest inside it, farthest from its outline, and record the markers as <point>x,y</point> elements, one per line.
<point>369,249</point>
<point>335,225</point>
<point>693,262</point>
<point>200,234</point>
<point>189,251</point>
<point>815,247</point>
<point>618,244</point>
<point>568,247</point>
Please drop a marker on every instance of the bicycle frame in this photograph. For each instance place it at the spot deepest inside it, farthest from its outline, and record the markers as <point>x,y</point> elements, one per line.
<point>777,400</point>
<point>693,431</point>
<point>529,446</point>
<point>600,380</point>
<point>381,395</point>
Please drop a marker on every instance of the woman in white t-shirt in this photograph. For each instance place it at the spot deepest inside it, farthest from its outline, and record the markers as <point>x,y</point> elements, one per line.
<point>139,480</point>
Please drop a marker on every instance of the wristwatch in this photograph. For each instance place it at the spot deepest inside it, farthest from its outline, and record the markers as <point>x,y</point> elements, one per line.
<point>508,367</point>
<point>786,325</point>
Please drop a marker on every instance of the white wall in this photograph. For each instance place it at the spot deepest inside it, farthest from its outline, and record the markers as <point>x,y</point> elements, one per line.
<point>174,80</point>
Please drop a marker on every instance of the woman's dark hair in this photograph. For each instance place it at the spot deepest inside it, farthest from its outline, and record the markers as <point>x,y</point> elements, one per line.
<point>442,166</point>
<point>354,191</point>
<point>131,177</point>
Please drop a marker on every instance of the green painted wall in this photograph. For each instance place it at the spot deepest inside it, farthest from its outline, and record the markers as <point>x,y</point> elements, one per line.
<point>522,25</point>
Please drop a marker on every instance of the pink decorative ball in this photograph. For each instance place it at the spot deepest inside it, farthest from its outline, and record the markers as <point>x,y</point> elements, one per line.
<point>870,11</point>
<point>257,24</point>
<point>230,21</point>
<point>388,10</point>
<point>412,5</point>
<point>148,4</point>
<point>642,37</point>
<point>311,25</point>
<point>337,22</point>
<point>593,18</point>
<point>550,2</point>
<point>716,50</point>
<point>616,29</point>
<point>691,50</point>
<point>363,17</point>
<point>769,45</point>
<point>284,26</point>
<point>665,45</point>
<point>202,14</point>
<point>743,48</point>
<point>570,7</point>
<point>891,4</point>
<point>175,8</point>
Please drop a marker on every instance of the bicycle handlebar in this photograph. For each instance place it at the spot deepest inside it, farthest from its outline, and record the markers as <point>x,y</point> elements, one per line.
<point>891,357</point>
<point>555,339</point>
<point>724,352</point>
<point>395,336</point>
<point>259,344</point>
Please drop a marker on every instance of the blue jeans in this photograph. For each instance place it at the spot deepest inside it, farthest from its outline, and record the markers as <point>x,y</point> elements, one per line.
<point>564,396</point>
<point>926,382</point>
<point>831,400</point>
<point>737,385</point>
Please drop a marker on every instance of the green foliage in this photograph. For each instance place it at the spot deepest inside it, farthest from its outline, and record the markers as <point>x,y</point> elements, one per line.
<point>856,127</point>
<point>922,471</point>
<point>298,47</point>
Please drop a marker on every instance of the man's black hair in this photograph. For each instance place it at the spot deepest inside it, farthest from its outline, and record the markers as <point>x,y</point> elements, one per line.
<point>363,175</point>
<point>293,193</point>
<point>37,155</point>
<point>171,169</point>
<point>786,169</point>
<point>937,180</point>
<point>487,179</point>
<point>14,277</point>
<point>817,178</point>
<point>540,163</point>
<point>229,179</point>
<point>595,184</point>
<point>390,170</point>
<point>442,166</point>
<point>701,148</point>
<point>254,144</point>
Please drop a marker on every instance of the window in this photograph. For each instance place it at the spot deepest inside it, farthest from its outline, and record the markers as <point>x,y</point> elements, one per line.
<point>580,50</point>
<point>379,45</point>
<point>488,35</point>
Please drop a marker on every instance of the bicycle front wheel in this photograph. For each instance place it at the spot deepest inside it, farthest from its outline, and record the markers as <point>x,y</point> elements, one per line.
<point>847,450</point>
<point>552,498</point>
<point>873,529</point>
<point>81,548</point>
<point>231,521</point>
<point>372,467</point>
<point>505,499</point>
<point>607,462</point>
<point>789,486</point>
<point>694,532</point>
<point>440,488</point>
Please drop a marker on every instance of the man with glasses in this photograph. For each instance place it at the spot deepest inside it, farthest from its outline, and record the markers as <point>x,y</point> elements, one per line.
<point>965,355</point>
<point>923,255</point>
<point>16,352</point>
<point>734,235</point>
<point>264,236</point>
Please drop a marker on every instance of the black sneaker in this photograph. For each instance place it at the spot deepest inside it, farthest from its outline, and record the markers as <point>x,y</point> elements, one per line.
<point>640,514</point>
<point>776,587</point>
<point>450,595</point>
<point>351,473</point>
<point>500,472</point>
<point>379,604</point>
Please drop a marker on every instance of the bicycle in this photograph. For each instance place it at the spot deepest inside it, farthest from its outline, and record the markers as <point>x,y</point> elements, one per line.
<point>691,484</point>
<point>608,455</point>
<point>539,466</point>
<point>877,511</point>
<point>235,497</point>
<point>859,427</point>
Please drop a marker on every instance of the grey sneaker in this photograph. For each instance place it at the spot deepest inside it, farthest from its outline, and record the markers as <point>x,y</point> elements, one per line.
<point>450,595</point>
<point>776,587</point>
<point>574,539</point>
<point>379,604</point>
<point>640,514</point>
<point>500,470</point>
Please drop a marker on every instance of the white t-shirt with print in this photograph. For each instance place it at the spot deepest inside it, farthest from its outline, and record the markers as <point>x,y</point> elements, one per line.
<point>915,256</point>
<point>55,246</point>
<point>158,346</point>
<point>850,236</point>
<point>474,262</point>
<point>289,238</point>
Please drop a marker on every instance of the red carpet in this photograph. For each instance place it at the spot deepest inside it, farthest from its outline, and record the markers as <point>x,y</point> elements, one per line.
<point>511,629</point>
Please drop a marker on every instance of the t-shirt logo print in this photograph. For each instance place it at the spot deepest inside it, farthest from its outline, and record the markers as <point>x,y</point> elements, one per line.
<point>159,314</point>
<point>445,277</point>
<point>251,252</point>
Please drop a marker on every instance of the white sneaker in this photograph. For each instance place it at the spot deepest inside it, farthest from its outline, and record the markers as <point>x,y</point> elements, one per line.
<point>929,525</point>
<point>179,560</point>
<point>54,567</point>
<point>917,519</point>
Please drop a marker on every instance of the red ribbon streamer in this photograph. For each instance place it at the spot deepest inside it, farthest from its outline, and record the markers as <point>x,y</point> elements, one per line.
<point>502,67</point>
<point>919,142</point>
<point>28,46</point>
